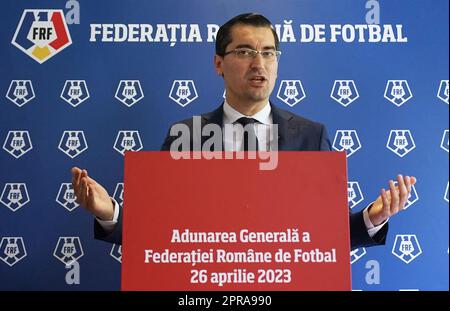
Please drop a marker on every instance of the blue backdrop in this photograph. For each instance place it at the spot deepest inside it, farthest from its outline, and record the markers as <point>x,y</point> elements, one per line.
<point>80,102</point>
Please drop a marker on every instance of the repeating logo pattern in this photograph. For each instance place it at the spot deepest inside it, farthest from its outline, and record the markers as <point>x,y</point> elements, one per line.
<point>128,141</point>
<point>116,252</point>
<point>129,92</point>
<point>68,249</point>
<point>344,92</point>
<point>20,92</point>
<point>183,92</point>
<point>12,250</point>
<point>346,140</point>
<point>406,247</point>
<point>444,141</point>
<point>443,91</point>
<point>400,142</point>
<point>17,143</point>
<point>356,254</point>
<point>75,92</point>
<point>73,143</point>
<point>291,92</point>
<point>14,196</point>
<point>41,34</point>
<point>397,92</point>
<point>66,197</point>
<point>354,193</point>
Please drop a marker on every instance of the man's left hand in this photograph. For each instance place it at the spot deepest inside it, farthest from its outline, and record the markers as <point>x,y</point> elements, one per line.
<point>392,201</point>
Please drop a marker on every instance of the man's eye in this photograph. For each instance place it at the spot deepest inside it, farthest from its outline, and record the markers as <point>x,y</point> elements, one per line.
<point>243,53</point>
<point>267,54</point>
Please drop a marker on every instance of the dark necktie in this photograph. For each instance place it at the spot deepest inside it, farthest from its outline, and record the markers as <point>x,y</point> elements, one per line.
<point>249,136</point>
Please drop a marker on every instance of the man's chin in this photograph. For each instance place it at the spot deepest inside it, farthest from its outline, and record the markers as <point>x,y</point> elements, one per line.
<point>258,96</point>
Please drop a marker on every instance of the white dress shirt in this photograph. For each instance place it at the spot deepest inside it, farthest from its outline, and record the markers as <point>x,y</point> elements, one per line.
<point>262,129</point>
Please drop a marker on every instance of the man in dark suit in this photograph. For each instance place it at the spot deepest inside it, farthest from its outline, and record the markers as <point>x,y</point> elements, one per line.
<point>247,59</point>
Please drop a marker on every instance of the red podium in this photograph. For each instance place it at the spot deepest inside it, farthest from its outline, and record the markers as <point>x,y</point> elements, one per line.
<point>227,225</point>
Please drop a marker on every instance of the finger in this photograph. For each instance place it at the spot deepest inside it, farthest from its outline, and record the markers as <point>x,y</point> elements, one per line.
<point>83,179</point>
<point>413,180</point>
<point>385,200</point>
<point>91,181</point>
<point>403,192</point>
<point>83,191</point>
<point>394,198</point>
<point>76,173</point>
<point>408,184</point>
<point>76,184</point>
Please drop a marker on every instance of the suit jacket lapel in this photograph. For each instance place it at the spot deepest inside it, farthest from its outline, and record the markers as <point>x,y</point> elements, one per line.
<point>287,130</point>
<point>215,117</point>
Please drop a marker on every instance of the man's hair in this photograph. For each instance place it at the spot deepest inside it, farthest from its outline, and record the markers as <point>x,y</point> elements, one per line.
<point>253,19</point>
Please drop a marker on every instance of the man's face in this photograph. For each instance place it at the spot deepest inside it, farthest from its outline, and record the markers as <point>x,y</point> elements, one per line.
<point>248,81</point>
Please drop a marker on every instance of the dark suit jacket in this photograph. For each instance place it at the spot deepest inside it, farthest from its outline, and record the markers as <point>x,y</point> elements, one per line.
<point>295,133</point>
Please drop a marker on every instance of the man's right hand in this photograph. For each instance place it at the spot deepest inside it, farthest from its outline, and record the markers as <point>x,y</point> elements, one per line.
<point>91,195</point>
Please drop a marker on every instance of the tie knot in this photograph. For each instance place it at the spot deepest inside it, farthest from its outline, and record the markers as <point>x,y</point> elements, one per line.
<point>244,121</point>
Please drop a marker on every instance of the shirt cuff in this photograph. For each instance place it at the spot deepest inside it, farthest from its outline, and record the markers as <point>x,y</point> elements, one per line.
<point>108,225</point>
<point>371,229</point>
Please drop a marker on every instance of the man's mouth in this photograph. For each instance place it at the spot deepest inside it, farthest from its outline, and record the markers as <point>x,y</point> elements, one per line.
<point>257,80</point>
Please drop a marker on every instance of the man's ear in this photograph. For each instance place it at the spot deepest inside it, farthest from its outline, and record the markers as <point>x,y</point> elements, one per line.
<point>218,60</point>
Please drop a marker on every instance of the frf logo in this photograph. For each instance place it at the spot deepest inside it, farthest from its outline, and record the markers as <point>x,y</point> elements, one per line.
<point>66,197</point>
<point>183,92</point>
<point>354,194</point>
<point>344,92</point>
<point>406,247</point>
<point>129,92</point>
<point>346,140</point>
<point>116,252</point>
<point>400,142</point>
<point>291,92</point>
<point>443,91</point>
<point>20,92</point>
<point>75,92</point>
<point>15,196</point>
<point>397,92</point>
<point>412,198</point>
<point>68,249</point>
<point>41,34</point>
<point>12,250</point>
<point>17,143</point>
<point>445,141</point>
<point>73,143</point>
<point>356,254</point>
<point>128,141</point>
<point>118,193</point>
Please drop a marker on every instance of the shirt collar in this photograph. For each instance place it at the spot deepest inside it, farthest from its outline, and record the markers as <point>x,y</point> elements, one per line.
<point>231,115</point>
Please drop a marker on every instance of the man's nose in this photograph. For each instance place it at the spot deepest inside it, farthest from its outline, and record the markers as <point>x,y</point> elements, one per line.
<point>257,61</point>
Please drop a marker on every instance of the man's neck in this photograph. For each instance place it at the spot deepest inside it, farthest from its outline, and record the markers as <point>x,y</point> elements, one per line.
<point>248,108</point>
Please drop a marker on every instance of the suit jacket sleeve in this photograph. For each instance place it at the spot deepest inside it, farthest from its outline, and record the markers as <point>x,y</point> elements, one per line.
<point>116,235</point>
<point>112,237</point>
<point>359,237</point>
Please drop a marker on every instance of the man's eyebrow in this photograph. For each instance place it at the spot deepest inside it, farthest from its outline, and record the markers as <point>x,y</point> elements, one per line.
<point>269,47</point>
